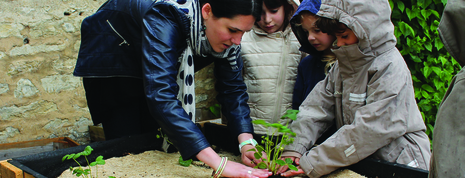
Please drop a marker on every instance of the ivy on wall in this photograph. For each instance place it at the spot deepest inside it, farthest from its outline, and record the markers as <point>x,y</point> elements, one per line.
<point>432,67</point>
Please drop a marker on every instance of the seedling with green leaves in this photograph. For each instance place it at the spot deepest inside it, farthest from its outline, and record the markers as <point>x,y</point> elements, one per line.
<point>273,146</point>
<point>80,171</point>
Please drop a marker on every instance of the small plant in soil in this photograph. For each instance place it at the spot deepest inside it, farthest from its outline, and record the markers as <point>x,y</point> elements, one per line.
<point>181,161</point>
<point>273,144</point>
<point>80,171</point>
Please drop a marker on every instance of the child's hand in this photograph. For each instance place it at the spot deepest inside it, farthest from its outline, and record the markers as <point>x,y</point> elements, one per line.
<point>248,157</point>
<point>284,168</point>
<point>291,173</point>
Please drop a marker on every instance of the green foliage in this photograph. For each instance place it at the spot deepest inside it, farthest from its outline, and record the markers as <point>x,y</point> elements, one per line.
<point>80,171</point>
<point>181,161</point>
<point>432,68</point>
<point>185,163</point>
<point>215,109</point>
<point>273,147</point>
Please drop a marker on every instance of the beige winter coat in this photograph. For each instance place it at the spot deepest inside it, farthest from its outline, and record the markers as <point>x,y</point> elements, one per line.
<point>368,94</point>
<point>270,71</point>
<point>448,158</point>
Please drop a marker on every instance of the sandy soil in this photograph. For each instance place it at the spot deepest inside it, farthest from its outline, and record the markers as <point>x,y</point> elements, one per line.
<point>161,164</point>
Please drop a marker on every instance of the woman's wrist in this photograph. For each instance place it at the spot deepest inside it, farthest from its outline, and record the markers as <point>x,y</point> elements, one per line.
<point>209,157</point>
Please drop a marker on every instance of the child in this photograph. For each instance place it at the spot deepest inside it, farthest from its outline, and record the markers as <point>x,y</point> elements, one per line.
<point>312,68</point>
<point>448,144</point>
<point>271,55</point>
<point>368,94</point>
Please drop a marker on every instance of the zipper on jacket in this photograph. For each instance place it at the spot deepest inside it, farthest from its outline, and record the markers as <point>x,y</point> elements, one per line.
<point>124,41</point>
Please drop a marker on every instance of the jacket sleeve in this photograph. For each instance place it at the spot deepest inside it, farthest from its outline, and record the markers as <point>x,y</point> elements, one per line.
<point>163,39</point>
<point>388,110</point>
<point>232,95</point>
<point>316,114</point>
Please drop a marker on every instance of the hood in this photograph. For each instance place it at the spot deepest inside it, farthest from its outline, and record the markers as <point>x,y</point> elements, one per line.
<point>452,31</point>
<point>370,20</point>
<point>306,5</point>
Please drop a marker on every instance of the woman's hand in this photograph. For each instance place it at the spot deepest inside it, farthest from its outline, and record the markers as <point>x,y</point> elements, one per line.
<point>282,169</point>
<point>234,169</point>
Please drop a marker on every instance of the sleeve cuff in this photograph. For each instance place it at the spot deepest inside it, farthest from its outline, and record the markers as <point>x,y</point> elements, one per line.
<point>308,168</point>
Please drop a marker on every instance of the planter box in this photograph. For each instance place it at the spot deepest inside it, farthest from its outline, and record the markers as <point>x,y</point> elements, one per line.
<point>49,164</point>
<point>20,149</point>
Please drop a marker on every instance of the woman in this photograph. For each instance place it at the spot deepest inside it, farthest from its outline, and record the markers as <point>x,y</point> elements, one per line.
<point>137,58</point>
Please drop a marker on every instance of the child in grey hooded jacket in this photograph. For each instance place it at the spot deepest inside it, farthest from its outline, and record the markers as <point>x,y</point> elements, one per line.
<point>368,94</point>
<point>449,133</point>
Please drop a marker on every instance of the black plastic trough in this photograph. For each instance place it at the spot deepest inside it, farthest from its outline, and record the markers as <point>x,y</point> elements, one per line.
<point>49,164</point>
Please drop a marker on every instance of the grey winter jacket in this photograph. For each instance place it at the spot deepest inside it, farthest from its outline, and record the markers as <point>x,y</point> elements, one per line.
<point>368,94</point>
<point>449,133</point>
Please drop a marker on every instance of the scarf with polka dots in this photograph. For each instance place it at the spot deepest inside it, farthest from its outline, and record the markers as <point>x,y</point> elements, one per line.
<point>197,45</point>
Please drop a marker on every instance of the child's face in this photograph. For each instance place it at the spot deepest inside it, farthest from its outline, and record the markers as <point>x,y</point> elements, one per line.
<point>321,41</point>
<point>272,19</point>
<point>347,37</point>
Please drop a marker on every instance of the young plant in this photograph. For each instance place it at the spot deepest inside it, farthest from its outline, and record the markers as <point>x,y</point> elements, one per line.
<point>166,143</point>
<point>80,171</point>
<point>273,144</point>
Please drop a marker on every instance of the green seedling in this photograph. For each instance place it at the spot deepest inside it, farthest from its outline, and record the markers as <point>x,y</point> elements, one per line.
<point>181,161</point>
<point>80,171</point>
<point>273,147</point>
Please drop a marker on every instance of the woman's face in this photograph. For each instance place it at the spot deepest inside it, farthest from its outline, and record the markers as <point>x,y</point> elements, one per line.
<point>224,32</point>
<point>321,41</point>
<point>272,19</point>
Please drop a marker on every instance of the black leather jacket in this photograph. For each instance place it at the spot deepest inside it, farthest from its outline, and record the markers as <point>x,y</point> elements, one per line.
<point>143,39</point>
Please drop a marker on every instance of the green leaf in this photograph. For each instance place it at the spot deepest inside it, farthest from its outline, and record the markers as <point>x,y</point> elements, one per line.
<point>415,58</point>
<point>391,4</point>
<point>437,70</point>
<point>76,156</point>
<point>99,160</point>
<point>280,162</point>
<point>427,88</point>
<point>215,109</point>
<point>288,160</point>
<point>93,164</point>
<point>292,167</point>
<point>410,13</point>
<point>424,94</point>
<point>438,43</point>
<point>430,127</point>
<point>185,163</point>
<point>401,6</point>
<point>438,84</point>
<point>259,148</point>
<point>425,13</point>
<point>406,29</point>
<point>262,165</point>
<point>426,71</point>
<point>276,125</point>
<point>258,121</point>
<point>257,155</point>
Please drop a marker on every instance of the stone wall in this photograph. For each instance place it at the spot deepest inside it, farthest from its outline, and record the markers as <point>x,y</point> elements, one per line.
<point>39,96</point>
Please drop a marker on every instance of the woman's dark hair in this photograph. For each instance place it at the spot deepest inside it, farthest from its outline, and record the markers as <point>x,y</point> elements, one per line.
<point>288,8</point>
<point>330,26</point>
<point>231,8</point>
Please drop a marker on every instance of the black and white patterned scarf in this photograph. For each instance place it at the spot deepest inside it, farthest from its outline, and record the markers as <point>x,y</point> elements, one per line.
<point>197,45</point>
